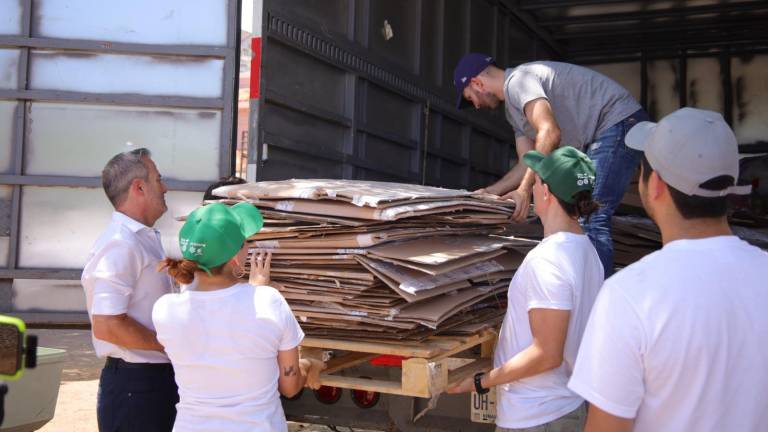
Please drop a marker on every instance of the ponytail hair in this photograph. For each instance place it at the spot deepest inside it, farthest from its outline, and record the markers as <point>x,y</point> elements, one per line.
<point>583,205</point>
<point>183,270</point>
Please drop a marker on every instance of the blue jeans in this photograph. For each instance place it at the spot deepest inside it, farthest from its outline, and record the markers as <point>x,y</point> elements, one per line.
<point>615,164</point>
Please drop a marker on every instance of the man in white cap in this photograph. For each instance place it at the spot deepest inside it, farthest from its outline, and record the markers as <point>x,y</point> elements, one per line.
<point>677,341</point>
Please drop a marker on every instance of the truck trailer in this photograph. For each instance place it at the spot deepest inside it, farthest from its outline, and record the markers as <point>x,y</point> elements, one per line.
<point>342,89</point>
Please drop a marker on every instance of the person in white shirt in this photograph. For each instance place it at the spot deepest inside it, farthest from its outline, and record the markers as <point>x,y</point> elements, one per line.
<point>677,340</point>
<point>549,299</point>
<point>233,344</point>
<point>121,285</point>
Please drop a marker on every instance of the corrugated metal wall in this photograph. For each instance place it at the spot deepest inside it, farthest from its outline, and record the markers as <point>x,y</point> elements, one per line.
<point>363,90</point>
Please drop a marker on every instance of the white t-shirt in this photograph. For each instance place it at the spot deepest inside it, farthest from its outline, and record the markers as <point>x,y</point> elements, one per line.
<point>121,277</point>
<point>679,340</point>
<point>562,272</point>
<point>223,345</point>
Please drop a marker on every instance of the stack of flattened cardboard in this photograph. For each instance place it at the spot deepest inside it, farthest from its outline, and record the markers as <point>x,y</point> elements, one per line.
<point>384,261</point>
<point>635,237</point>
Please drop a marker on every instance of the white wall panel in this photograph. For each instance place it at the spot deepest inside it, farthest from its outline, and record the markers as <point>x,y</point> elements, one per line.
<point>170,22</point>
<point>117,73</point>
<point>750,101</point>
<point>57,219</point>
<point>626,74</point>
<point>5,243</point>
<point>705,89</point>
<point>78,140</point>
<point>663,97</point>
<point>7,128</point>
<point>38,295</point>
<point>10,19</point>
<point>9,68</point>
<point>6,193</point>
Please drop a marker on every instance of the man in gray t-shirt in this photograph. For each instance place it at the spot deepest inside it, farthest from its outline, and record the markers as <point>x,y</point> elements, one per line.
<point>551,104</point>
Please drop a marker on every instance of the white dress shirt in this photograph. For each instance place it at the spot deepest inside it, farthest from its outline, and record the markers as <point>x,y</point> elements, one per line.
<point>121,277</point>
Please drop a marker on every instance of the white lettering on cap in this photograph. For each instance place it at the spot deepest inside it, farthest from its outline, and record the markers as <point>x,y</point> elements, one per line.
<point>196,248</point>
<point>584,179</point>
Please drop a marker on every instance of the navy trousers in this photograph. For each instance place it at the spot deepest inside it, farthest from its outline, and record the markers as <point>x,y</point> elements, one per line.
<point>136,397</point>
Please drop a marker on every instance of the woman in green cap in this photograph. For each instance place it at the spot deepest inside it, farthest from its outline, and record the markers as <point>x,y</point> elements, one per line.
<point>233,344</point>
<point>550,298</point>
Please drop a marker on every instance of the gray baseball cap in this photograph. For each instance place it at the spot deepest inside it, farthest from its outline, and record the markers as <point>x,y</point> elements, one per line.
<point>689,147</point>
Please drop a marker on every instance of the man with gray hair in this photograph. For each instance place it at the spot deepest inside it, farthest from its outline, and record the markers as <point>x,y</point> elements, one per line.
<point>137,390</point>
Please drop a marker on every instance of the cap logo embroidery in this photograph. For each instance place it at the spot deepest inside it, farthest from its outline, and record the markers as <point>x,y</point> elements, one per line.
<point>584,179</point>
<point>196,248</point>
<point>463,79</point>
<point>193,248</point>
<point>184,243</point>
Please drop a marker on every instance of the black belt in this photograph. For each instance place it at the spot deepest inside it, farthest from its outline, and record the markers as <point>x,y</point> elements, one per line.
<point>118,363</point>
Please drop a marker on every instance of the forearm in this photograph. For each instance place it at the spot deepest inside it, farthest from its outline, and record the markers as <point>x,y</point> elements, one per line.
<point>292,378</point>
<point>547,140</point>
<point>526,184</point>
<point>289,387</point>
<point>510,181</point>
<point>541,117</point>
<point>528,362</point>
<point>125,332</point>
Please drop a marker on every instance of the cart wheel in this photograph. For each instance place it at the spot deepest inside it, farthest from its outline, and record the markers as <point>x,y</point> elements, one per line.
<point>365,399</point>
<point>328,395</point>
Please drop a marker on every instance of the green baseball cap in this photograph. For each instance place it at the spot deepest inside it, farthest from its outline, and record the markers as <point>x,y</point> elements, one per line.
<point>215,233</point>
<point>566,171</point>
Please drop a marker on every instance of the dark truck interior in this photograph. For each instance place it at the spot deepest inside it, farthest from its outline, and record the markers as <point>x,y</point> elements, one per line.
<point>371,81</point>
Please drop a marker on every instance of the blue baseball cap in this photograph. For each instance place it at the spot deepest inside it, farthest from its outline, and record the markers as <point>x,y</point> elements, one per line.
<point>469,67</point>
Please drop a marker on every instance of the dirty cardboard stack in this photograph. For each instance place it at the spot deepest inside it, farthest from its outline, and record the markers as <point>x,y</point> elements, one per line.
<point>384,261</point>
<point>635,237</point>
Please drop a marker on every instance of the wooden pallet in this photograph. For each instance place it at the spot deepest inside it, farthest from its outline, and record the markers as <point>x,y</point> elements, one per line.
<point>428,369</point>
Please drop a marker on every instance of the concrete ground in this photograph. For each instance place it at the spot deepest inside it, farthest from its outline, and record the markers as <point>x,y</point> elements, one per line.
<point>76,405</point>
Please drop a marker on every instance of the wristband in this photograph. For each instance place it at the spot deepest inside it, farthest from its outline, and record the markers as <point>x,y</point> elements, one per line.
<point>479,385</point>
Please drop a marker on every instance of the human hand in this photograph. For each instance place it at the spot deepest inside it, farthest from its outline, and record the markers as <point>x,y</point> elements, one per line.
<point>260,267</point>
<point>465,386</point>
<point>485,194</point>
<point>310,369</point>
<point>489,190</point>
<point>522,199</point>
